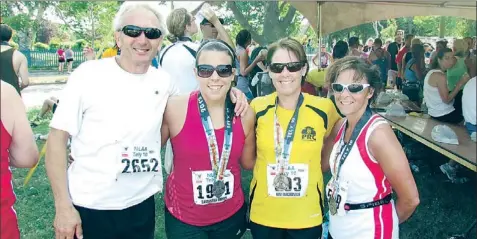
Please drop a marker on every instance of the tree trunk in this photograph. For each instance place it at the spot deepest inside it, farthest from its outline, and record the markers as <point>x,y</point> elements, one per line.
<point>442,27</point>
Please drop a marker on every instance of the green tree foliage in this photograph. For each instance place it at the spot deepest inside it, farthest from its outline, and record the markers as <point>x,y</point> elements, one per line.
<point>41,46</point>
<point>266,21</point>
<point>90,19</point>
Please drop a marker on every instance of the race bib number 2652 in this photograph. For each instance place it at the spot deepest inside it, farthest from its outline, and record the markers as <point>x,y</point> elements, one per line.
<point>140,159</point>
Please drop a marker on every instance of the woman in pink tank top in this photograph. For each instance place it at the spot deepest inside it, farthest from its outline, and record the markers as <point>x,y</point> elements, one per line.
<point>204,197</point>
<point>17,149</point>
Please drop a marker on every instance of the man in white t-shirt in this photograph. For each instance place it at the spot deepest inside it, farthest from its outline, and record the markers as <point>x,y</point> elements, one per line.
<point>112,108</point>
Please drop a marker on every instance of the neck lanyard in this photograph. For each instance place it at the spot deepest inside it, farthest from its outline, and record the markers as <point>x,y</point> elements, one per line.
<point>218,164</point>
<point>184,38</point>
<point>346,148</point>
<point>283,145</point>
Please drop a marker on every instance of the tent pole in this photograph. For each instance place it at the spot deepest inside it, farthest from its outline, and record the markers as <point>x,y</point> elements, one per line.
<point>319,34</point>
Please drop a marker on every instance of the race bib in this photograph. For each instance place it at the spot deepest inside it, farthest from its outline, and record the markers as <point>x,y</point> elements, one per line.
<point>207,190</point>
<point>140,159</point>
<point>337,194</point>
<point>292,182</point>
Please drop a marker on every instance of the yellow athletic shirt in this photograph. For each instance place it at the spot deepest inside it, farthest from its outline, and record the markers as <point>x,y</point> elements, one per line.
<point>316,119</point>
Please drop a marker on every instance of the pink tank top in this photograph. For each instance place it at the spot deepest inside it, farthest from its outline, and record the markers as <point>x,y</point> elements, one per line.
<point>191,154</point>
<point>7,197</point>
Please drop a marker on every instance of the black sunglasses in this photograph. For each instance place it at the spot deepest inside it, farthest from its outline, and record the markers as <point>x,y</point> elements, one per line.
<point>207,70</point>
<point>135,31</point>
<point>291,66</point>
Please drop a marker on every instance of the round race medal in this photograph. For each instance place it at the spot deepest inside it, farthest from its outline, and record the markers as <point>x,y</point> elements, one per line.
<point>332,205</point>
<point>218,188</point>
<point>282,182</point>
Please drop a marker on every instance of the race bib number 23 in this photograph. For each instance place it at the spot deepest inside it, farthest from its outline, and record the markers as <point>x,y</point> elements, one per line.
<point>140,159</point>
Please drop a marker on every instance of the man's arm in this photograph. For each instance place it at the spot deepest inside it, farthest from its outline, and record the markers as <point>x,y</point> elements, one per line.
<point>55,164</point>
<point>22,70</point>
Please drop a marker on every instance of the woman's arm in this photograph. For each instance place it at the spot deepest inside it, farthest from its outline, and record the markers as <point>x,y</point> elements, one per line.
<point>249,149</point>
<point>164,127</point>
<point>245,68</point>
<point>395,166</point>
<point>441,82</point>
<point>328,146</point>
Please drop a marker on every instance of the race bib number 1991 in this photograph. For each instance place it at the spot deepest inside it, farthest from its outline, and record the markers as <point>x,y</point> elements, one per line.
<point>140,159</point>
<point>203,186</point>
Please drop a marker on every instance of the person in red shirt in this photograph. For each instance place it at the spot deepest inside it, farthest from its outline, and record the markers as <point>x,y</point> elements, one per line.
<point>17,149</point>
<point>61,59</point>
<point>400,55</point>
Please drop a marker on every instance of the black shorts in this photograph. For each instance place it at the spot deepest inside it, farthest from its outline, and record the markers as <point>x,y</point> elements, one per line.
<point>136,222</point>
<point>68,60</point>
<point>260,231</point>
<point>231,228</point>
<point>61,60</point>
<point>453,117</point>
<point>53,109</point>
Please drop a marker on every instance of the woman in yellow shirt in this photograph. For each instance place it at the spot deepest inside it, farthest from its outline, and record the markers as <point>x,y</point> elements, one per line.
<point>286,198</point>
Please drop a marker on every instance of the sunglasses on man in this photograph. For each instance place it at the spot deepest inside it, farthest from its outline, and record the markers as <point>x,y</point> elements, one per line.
<point>135,31</point>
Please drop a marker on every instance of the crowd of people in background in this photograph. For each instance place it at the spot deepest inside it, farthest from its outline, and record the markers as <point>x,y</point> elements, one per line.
<point>196,99</point>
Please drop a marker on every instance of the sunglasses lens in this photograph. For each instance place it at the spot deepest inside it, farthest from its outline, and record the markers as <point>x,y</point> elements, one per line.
<point>132,31</point>
<point>276,67</point>
<point>355,88</point>
<point>152,33</point>
<point>337,87</point>
<point>205,70</point>
<point>294,66</point>
<point>224,70</point>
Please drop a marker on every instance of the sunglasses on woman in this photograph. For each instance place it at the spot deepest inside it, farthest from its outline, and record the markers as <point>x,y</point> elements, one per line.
<point>353,88</point>
<point>291,66</point>
<point>205,71</point>
<point>135,31</point>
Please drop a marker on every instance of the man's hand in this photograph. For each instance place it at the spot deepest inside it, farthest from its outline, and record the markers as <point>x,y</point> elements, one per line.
<point>88,53</point>
<point>67,223</point>
<point>240,100</point>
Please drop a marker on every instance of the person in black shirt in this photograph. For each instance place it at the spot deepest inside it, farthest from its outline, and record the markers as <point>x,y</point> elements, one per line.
<point>393,49</point>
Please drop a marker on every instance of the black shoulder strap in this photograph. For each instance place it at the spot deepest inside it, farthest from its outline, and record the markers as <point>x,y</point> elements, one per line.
<point>165,51</point>
<point>190,50</point>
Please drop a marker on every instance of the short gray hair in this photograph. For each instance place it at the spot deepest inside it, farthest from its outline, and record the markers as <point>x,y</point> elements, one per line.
<point>129,6</point>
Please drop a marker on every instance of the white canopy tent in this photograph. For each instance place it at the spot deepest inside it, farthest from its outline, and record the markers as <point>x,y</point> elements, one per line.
<point>338,15</point>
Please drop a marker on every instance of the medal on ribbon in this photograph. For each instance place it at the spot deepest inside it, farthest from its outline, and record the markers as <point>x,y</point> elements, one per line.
<point>283,146</point>
<point>218,163</point>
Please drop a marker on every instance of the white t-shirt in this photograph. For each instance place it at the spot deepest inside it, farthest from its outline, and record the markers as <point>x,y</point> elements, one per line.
<point>469,104</point>
<point>112,116</point>
<point>180,64</point>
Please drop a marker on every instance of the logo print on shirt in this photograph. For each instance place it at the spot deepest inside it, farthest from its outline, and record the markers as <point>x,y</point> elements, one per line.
<point>308,134</point>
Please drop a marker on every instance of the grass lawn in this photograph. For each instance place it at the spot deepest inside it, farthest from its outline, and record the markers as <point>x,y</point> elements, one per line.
<point>445,208</point>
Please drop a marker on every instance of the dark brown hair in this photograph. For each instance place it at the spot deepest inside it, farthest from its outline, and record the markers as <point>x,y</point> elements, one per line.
<point>362,71</point>
<point>291,45</point>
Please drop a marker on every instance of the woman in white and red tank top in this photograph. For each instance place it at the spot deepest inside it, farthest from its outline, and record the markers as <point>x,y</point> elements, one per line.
<point>17,149</point>
<point>204,197</point>
<point>367,162</point>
